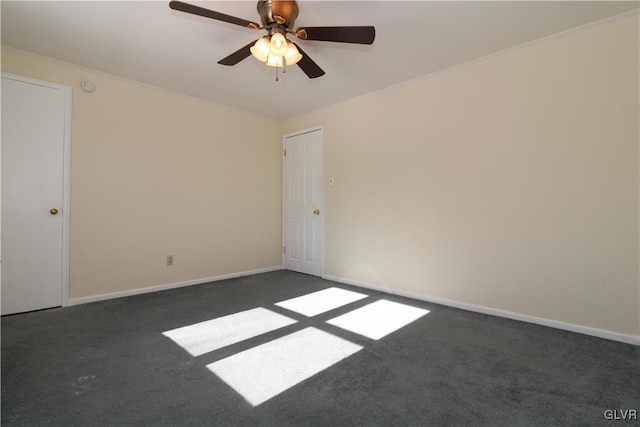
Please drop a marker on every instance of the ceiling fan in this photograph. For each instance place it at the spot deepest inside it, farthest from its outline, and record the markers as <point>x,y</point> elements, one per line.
<point>278,18</point>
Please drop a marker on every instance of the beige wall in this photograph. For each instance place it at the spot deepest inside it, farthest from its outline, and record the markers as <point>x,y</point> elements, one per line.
<point>155,173</point>
<point>510,182</point>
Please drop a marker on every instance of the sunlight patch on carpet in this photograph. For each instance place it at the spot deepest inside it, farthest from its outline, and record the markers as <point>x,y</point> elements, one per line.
<point>322,301</point>
<point>210,335</point>
<point>262,372</point>
<point>378,319</point>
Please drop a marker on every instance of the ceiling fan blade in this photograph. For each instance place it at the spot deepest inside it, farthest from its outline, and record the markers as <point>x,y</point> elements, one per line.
<point>310,68</point>
<point>238,55</point>
<point>359,35</point>
<point>201,11</point>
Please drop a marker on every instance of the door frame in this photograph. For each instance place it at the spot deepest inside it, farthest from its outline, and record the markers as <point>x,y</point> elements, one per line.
<point>66,157</point>
<point>284,189</point>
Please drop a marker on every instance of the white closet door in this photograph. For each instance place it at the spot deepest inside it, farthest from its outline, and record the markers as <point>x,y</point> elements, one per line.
<point>32,165</point>
<point>303,224</point>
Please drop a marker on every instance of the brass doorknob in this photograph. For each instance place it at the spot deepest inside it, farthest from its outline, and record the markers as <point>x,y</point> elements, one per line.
<point>316,212</point>
<point>53,211</point>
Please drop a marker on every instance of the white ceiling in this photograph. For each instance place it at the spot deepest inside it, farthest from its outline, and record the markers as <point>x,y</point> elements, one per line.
<point>148,42</point>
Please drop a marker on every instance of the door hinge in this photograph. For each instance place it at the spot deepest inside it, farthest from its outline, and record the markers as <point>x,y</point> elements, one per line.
<point>285,152</point>
<point>284,250</point>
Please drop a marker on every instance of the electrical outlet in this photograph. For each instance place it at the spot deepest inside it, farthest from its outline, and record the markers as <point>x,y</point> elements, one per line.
<point>169,260</point>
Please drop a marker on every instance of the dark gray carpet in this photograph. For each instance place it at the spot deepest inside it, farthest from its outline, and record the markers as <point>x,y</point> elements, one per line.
<point>108,364</point>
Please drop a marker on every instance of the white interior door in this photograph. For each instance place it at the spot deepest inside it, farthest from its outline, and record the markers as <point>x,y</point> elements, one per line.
<point>34,132</point>
<point>303,224</point>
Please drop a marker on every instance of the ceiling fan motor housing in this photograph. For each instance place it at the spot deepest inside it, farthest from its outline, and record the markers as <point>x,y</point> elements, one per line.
<point>280,12</point>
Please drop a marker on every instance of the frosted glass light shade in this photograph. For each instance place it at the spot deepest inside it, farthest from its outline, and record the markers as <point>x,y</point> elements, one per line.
<point>261,49</point>
<point>278,45</point>
<point>274,61</point>
<point>292,56</point>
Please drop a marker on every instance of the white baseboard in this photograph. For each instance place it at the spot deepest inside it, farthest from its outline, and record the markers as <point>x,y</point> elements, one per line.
<point>101,297</point>
<point>600,333</point>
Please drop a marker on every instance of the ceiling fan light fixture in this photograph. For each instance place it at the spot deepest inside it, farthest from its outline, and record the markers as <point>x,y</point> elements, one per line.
<point>278,45</point>
<point>261,49</point>
<point>277,17</point>
<point>292,56</point>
